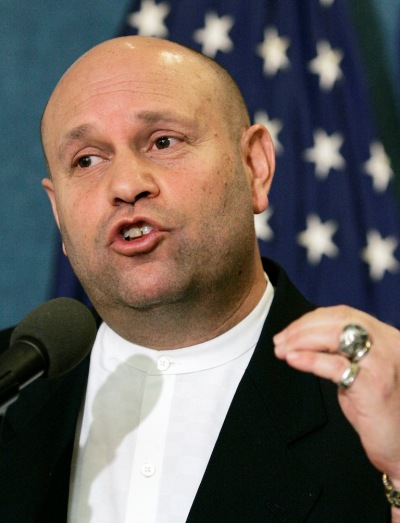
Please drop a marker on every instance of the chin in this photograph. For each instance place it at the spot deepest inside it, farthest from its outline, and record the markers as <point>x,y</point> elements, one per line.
<point>149,297</point>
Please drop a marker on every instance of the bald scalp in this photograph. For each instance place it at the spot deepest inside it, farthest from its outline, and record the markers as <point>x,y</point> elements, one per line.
<point>230,98</point>
<point>223,91</point>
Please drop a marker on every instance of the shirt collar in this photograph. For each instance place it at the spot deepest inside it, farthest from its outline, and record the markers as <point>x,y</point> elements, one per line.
<point>213,353</point>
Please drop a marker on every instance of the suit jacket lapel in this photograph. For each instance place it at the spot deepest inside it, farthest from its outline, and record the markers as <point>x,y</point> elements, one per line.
<point>252,475</point>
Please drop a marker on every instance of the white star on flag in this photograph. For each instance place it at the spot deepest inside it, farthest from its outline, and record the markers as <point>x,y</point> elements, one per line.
<point>317,239</point>
<point>149,20</point>
<point>263,230</point>
<point>326,65</point>
<point>214,35</point>
<point>378,167</point>
<point>325,153</point>
<point>379,254</point>
<point>273,51</point>
<point>274,128</point>
<point>326,3</point>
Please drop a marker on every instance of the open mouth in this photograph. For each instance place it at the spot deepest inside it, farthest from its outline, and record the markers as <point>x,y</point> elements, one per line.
<point>133,232</point>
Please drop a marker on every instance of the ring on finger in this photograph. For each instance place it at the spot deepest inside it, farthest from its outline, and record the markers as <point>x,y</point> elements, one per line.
<point>354,342</point>
<point>348,376</point>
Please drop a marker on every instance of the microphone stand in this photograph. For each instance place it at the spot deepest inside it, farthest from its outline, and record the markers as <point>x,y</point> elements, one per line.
<point>9,392</point>
<point>30,365</point>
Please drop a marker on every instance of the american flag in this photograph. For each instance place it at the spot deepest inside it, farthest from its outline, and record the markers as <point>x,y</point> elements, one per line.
<point>333,222</point>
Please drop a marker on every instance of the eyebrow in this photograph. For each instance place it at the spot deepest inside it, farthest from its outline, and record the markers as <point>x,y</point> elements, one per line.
<point>77,133</point>
<point>149,117</point>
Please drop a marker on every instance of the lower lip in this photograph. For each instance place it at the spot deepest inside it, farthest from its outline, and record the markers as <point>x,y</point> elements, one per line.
<point>142,245</point>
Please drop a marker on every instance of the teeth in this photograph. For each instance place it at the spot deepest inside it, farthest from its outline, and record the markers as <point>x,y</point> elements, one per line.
<point>146,229</point>
<point>133,232</point>
<point>136,232</point>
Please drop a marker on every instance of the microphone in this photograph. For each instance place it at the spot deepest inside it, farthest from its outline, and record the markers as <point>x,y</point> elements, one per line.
<point>51,340</point>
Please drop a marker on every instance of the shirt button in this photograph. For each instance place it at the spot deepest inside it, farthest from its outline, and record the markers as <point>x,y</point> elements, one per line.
<point>163,363</point>
<point>148,470</point>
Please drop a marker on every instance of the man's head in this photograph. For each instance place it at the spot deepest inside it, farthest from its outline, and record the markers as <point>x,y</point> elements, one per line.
<point>155,175</point>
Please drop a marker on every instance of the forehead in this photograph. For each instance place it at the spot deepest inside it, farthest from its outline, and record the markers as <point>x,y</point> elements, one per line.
<point>109,84</point>
<point>147,76</point>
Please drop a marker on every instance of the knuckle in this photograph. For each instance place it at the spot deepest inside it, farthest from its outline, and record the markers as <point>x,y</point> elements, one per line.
<point>344,313</point>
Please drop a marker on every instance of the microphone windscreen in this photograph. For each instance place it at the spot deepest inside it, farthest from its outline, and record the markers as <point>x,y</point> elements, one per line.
<point>65,330</point>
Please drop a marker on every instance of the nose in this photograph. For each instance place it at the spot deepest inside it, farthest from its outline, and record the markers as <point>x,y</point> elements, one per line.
<point>131,178</point>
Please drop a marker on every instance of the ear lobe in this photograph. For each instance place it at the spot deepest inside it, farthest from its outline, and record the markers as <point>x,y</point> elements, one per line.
<point>48,186</point>
<point>260,159</point>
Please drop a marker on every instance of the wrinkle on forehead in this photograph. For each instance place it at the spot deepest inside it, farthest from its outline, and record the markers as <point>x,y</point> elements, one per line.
<point>136,63</point>
<point>81,132</point>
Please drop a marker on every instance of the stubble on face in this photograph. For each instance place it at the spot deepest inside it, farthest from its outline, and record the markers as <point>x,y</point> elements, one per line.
<point>205,273</point>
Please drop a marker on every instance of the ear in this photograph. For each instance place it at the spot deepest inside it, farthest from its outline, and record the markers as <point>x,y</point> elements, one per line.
<point>260,161</point>
<point>48,186</point>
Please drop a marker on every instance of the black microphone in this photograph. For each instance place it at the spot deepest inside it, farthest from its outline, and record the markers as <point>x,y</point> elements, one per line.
<point>51,340</point>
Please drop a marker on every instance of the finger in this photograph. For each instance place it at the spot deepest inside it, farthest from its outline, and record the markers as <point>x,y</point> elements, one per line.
<point>321,330</point>
<point>375,377</point>
<point>334,318</point>
<point>318,363</point>
<point>310,337</point>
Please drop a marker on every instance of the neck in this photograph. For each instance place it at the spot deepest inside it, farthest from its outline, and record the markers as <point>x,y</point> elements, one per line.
<point>189,321</point>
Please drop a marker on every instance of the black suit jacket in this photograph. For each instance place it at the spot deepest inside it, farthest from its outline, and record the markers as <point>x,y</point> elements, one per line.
<point>285,451</point>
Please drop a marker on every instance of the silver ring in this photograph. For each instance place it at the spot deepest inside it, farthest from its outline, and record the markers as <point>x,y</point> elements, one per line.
<point>354,342</point>
<point>348,376</point>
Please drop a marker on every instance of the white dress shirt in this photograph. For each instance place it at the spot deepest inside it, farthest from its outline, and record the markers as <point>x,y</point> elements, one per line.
<point>150,421</point>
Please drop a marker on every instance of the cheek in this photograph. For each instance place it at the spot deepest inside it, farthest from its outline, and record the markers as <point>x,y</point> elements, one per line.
<point>220,181</point>
<point>77,215</point>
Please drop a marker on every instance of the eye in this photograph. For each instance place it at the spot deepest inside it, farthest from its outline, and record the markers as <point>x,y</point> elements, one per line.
<point>164,142</point>
<point>87,161</point>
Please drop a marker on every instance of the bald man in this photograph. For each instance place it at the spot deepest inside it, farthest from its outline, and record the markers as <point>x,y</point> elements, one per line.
<point>184,411</point>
